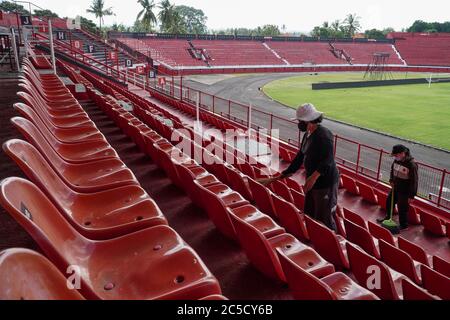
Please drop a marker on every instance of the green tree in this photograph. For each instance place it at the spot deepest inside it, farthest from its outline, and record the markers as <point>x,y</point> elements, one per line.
<point>166,15</point>
<point>146,16</point>
<point>270,30</point>
<point>88,24</point>
<point>8,6</point>
<point>374,34</point>
<point>97,8</point>
<point>45,13</point>
<point>177,24</point>
<point>352,22</point>
<point>194,19</point>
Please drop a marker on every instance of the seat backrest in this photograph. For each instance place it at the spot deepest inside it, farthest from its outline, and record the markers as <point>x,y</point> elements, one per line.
<point>282,190</point>
<point>34,136</point>
<point>256,247</point>
<point>262,197</point>
<point>37,169</point>
<point>413,292</point>
<point>381,233</point>
<point>293,184</point>
<point>432,223</point>
<point>382,198</point>
<point>441,266</point>
<point>238,184</point>
<point>398,260</point>
<point>417,253</point>
<point>299,199</point>
<point>326,242</point>
<point>361,237</point>
<point>364,266</point>
<point>216,211</point>
<point>349,184</point>
<point>366,192</point>
<point>355,218</point>
<point>290,218</point>
<point>303,285</point>
<point>41,219</point>
<point>27,275</point>
<point>436,283</point>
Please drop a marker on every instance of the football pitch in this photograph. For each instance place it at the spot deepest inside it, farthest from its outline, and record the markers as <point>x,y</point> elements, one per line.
<point>416,112</point>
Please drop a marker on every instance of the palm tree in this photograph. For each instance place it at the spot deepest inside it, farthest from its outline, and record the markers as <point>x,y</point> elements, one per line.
<point>148,17</point>
<point>97,8</point>
<point>353,24</point>
<point>166,15</point>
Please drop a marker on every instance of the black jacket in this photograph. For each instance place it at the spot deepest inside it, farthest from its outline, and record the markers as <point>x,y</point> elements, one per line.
<point>317,154</point>
<point>404,176</point>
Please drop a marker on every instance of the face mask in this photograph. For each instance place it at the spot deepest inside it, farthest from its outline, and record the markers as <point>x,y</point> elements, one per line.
<point>302,126</point>
<point>398,158</point>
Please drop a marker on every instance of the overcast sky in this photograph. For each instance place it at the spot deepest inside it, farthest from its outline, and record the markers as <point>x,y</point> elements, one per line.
<point>297,15</point>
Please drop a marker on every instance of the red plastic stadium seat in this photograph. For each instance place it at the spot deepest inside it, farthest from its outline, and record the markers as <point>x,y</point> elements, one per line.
<point>335,286</point>
<point>441,266</point>
<point>100,215</point>
<point>291,218</point>
<point>81,152</point>
<point>435,282</point>
<point>238,182</point>
<point>363,266</point>
<point>350,185</point>
<point>362,238</point>
<point>294,185</point>
<point>299,199</point>
<point>282,190</point>
<point>261,251</point>
<point>327,243</point>
<point>367,192</point>
<point>382,198</point>
<point>412,291</point>
<point>413,215</point>
<point>400,261</point>
<point>64,135</point>
<point>355,218</point>
<point>417,253</point>
<point>153,263</point>
<point>27,275</point>
<point>432,223</point>
<point>262,197</point>
<point>381,233</point>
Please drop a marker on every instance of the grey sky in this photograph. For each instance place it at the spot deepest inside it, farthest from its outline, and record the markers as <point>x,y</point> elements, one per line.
<point>296,15</point>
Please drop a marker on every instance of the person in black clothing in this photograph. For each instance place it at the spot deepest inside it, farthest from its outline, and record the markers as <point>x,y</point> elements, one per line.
<point>317,155</point>
<point>404,181</point>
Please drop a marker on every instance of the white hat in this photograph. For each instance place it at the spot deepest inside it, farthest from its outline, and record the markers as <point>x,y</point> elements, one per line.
<point>307,112</point>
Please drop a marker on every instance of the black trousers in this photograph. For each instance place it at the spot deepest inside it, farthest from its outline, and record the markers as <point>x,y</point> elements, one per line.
<point>320,204</point>
<point>401,200</point>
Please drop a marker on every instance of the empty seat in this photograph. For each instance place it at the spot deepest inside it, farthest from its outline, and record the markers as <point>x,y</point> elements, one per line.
<point>379,233</point>
<point>400,261</point>
<point>261,251</point>
<point>153,263</point>
<point>417,253</point>
<point>81,152</point>
<point>238,182</point>
<point>382,198</point>
<point>335,286</point>
<point>327,243</point>
<point>355,218</point>
<point>374,275</point>
<point>262,197</point>
<point>282,190</point>
<point>413,215</point>
<point>367,192</point>
<point>291,218</point>
<point>435,283</point>
<point>361,237</point>
<point>299,199</point>
<point>350,185</point>
<point>27,275</point>
<point>294,185</point>
<point>432,223</point>
<point>412,291</point>
<point>100,215</point>
<point>441,266</point>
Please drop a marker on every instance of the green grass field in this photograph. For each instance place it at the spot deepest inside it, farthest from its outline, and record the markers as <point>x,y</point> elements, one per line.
<point>414,112</point>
